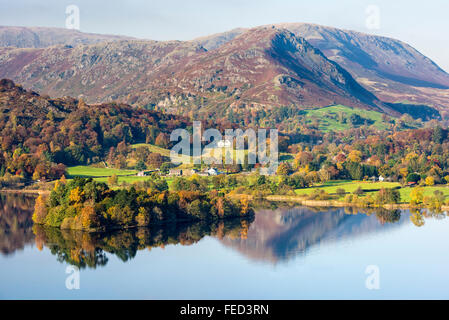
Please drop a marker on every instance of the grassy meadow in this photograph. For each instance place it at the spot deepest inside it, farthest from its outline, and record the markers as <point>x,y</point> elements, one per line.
<point>102,174</point>
<point>92,172</point>
<point>330,187</point>
<point>328,117</point>
<point>370,188</point>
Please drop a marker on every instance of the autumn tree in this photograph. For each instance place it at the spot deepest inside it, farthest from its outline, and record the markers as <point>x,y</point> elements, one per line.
<point>162,140</point>
<point>113,180</point>
<point>155,160</point>
<point>284,169</point>
<point>40,210</point>
<point>416,196</point>
<point>430,181</point>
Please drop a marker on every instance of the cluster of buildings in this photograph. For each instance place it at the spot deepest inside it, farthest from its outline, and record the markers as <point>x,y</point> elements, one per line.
<point>184,172</point>
<point>189,172</point>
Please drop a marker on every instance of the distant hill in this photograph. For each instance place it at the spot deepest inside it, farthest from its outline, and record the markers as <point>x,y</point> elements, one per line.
<point>393,70</point>
<point>41,37</point>
<point>266,67</point>
<point>297,65</point>
<point>101,72</point>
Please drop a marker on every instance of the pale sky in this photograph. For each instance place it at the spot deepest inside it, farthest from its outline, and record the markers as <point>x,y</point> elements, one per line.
<point>422,24</point>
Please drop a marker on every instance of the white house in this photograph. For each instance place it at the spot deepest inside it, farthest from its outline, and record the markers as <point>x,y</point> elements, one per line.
<point>381,179</point>
<point>224,143</point>
<point>212,172</point>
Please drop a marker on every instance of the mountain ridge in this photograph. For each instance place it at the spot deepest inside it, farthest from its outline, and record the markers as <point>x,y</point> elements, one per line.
<point>41,37</point>
<point>416,79</point>
<point>268,67</point>
<point>304,66</point>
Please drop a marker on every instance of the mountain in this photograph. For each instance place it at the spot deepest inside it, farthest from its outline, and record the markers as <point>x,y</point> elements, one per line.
<point>98,72</point>
<point>264,67</point>
<point>267,67</point>
<point>41,37</point>
<point>295,65</point>
<point>391,69</point>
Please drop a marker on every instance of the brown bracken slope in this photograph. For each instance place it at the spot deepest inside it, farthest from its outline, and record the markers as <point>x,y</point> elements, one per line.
<point>391,69</point>
<point>264,67</point>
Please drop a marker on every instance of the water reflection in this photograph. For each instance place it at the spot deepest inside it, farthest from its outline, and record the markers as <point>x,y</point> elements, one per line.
<point>278,235</point>
<point>275,235</point>
<point>15,222</point>
<point>89,249</point>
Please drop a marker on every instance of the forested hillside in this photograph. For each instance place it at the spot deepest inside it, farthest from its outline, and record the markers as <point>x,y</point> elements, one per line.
<point>40,135</point>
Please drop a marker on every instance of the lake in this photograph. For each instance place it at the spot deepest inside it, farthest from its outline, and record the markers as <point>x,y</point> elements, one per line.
<point>285,252</point>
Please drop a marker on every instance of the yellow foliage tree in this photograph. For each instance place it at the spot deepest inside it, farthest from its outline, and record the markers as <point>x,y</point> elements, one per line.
<point>283,169</point>
<point>143,218</point>
<point>430,181</point>
<point>244,205</point>
<point>75,195</point>
<point>113,180</point>
<point>403,172</point>
<point>88,217</point>
<point>416,196</point>
<point>40,210</point>
<point>355,156</point>
<point>410,156</point>
<point>36,175</point>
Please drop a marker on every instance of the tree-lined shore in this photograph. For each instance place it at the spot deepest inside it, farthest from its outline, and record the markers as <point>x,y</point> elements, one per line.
<point>84,204</point>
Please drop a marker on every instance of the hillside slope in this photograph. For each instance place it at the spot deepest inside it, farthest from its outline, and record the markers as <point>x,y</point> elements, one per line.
<point>98,72</point>
<point>37,130</point>
<point>391,69</point>
<point>41,37</point>
<point>265,67</point>
<point>269,67</point>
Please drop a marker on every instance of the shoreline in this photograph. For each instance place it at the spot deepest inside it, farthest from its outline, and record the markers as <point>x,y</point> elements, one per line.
<point>274,198</point>
<point>332,203</point>
<point>25,191</point>
<point>105,229</point>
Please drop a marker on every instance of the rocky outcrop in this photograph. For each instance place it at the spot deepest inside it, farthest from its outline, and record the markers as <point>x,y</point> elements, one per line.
<point>263,68</point>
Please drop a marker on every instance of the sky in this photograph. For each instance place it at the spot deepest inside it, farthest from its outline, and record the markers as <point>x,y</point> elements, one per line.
<point>422,24</point>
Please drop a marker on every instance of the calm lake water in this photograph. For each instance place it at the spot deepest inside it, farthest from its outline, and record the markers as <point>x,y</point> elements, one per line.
<point>284,253</point>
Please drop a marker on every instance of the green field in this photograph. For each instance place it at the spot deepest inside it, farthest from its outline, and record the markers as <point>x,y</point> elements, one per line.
<point>89,171</point>
<point>348,186</point>
<point>428,191</point>
<point>327,117</point>
<point>129,176</point>
<point>102,174</point>
<point>369,188</point>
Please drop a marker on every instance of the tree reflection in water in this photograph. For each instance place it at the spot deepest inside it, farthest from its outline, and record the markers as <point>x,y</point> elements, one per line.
<point>279,232</point>
<point>15,222</point>
<point>388,216</point>
<point>84,249</point>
